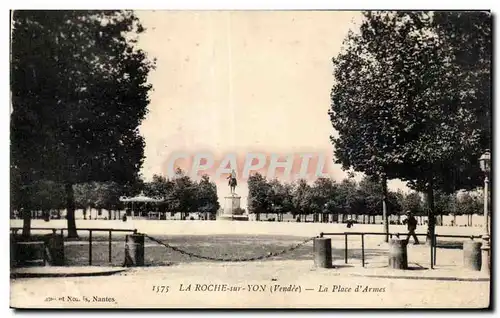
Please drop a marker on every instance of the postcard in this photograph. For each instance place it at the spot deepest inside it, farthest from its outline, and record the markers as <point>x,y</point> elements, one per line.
<point>250,159</point>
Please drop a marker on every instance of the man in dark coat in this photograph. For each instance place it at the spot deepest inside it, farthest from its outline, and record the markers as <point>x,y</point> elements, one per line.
<point>412,226</point>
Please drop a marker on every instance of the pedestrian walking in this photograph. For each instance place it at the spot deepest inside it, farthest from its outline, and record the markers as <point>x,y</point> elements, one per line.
<point>411,222</point>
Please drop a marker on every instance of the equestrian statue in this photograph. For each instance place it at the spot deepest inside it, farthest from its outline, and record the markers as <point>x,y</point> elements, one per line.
<point>232,181</point>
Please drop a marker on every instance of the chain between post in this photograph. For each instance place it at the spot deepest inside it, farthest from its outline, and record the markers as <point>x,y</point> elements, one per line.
<point>248,259</point>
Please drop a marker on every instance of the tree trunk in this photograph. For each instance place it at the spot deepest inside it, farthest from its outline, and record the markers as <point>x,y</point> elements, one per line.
<point>85,212</point>
<point>109,214</point>
<point>431,222</point>
<point>70,210</point>
<point>46,214</point>
<point>26,222</point>
<point>384,208</point>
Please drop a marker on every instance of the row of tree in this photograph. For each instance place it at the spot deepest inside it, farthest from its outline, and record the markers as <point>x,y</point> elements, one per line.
<point>180,194</point>
<point>184,195</point>
<point>412,100</point>
<point>326,199</point>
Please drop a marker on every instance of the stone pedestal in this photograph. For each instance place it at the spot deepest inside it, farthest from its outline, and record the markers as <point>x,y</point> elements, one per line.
<point>322,248</point>
<point>232,210</point>
<point>398,257</point>
<point>472,255</point>
<point>134,250</point>
<point>55,245</point>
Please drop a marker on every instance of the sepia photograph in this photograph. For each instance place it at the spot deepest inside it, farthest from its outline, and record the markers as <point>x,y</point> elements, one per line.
<point>244,159</point>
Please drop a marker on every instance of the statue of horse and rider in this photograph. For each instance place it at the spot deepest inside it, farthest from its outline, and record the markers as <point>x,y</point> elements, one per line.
<point>232,181</point>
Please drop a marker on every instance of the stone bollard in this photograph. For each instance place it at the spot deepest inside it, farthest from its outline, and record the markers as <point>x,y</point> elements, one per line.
<point>55,245</point>
<point>322,248</point>
<point>398,256</point>
<point>134,250</point>
<point>30,253</point>
<point>472,255</point>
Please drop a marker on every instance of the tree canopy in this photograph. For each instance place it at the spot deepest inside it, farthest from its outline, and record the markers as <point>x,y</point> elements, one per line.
<point>412,101</point>
<point>79,92</point>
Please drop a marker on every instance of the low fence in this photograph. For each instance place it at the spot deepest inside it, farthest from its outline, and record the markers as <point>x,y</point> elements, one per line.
<point>432,246</point>
<point>14,231</point>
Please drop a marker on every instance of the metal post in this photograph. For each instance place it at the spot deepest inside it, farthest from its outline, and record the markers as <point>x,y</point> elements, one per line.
<point>485,249</point>
<point>345,250</point>
<point>90,247</point>
<point>384,207</point>
<point>363,250</point>
<point>109,251</point>
<point>432,252</point>
<point>485,199</point>
<point>435,249</point>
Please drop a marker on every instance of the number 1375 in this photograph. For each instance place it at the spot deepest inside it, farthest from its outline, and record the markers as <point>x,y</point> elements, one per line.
<point>160,289</point>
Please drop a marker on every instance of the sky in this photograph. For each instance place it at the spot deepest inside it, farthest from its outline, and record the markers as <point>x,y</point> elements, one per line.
<point>241,81</point>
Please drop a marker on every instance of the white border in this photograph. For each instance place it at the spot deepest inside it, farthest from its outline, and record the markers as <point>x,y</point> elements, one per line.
<point>253,5</point>
<point>183,5</point>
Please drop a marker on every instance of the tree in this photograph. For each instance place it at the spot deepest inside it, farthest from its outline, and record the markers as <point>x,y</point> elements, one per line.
<point>468,203</point>
<point>396,200</point>
<point>41,195</point>
<point>206,197</point>
<point>302,199</point>
<point>324,191</point>
<point>184,192</point>
<point>161,187</point>
<point>280,198</point>
<point>347,197</point>
<point>99,195</point>
<point>400,105</point>
<point>79,92</point>
<point>46,196</point>
<point>85,196</point>
<point>443,204</point>
<point>371,192</point>
<point>258,199</point>
<point>413,203</point>
<point>467,39</point>
<point>108,197</point>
